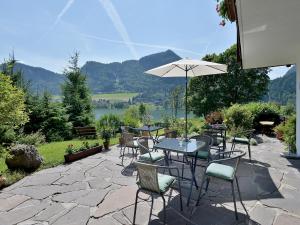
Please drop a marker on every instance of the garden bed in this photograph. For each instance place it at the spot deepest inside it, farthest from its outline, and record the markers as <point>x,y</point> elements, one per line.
<point>82,154</point>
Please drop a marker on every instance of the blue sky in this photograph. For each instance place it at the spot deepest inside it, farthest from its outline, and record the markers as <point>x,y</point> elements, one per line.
<point>45,33</point>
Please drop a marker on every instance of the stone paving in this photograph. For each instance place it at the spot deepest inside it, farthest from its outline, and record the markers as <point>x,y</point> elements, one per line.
<point>99,191</point>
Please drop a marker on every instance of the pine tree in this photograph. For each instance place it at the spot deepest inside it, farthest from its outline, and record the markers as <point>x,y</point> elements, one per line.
<point>76,95</point>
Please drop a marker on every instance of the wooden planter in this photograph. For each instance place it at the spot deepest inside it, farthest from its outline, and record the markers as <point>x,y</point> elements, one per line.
<point>82,154</point>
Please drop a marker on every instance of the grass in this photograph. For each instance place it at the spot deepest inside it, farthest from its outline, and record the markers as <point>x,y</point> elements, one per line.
<point>52,153</point>
<point>115,97</point>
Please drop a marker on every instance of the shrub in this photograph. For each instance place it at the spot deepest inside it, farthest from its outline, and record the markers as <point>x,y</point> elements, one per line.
<point>238,118</point>
<point>262,111</point>
<point>109,122</point>
<point>131,116</point>
<point>36,139</point>
<point>289,133</point>
<point>214,118</point>
<point>7,135</point>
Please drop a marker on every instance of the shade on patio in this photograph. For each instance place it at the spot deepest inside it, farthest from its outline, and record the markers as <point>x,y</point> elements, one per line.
<point>188,68</point>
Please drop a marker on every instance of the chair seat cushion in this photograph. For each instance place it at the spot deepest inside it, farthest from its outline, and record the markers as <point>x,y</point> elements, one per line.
<point>241,140</point>
<point>200,155</point>
<point>220,171</point>
<point>154,155</point>
<point>164,182</point>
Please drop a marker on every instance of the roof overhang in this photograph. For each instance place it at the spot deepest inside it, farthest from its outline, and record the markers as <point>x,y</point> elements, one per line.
<point>268,31</point>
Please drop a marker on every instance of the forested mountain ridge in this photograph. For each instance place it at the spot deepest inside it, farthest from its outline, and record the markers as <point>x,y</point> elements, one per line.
<point>283,89</point>
<point>127,76</point>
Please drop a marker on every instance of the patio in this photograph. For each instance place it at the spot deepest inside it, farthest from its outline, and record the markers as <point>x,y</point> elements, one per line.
<point>97,190</point>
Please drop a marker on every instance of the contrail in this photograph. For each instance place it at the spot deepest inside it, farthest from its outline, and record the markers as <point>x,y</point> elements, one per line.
<point>63,12</point>
<point>118,24</point>
<point>141,44</point>
<point>58,19</point>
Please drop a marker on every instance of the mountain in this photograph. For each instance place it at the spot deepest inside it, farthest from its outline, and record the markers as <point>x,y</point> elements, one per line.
<point>40,79</point>
<point>127,76</point>
<point>283,89</point>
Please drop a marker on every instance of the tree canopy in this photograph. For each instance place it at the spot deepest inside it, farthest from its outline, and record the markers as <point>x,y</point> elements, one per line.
<point>76,95</point>
<point>12,107</point>
<point>209,93</point>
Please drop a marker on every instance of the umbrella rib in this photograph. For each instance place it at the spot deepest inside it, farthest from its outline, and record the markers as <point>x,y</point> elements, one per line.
<point>168,71</point>
<point>217,69</point>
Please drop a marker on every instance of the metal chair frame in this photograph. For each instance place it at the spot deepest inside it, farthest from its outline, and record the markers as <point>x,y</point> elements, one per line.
<point>221,161</point>
<point>248,134</point>
<point>157,192</point>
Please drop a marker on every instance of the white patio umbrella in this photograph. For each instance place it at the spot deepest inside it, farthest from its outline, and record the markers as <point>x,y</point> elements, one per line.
<point>188,68</point>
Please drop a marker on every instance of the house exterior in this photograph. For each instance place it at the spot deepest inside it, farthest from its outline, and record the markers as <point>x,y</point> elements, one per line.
<point>269,35</point>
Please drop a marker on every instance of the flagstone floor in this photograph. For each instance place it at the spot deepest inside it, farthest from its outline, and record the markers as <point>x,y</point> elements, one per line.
<point>99,191</point>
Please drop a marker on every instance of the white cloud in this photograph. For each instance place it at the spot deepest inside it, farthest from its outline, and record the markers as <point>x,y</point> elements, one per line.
<point>118,24</point>
<point>155,46</point>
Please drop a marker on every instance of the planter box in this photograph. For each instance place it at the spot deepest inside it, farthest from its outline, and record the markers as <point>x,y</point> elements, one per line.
<point>82,154</point>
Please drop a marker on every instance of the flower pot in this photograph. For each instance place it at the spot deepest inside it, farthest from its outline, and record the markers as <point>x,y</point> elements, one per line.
<point>82,154</point>
<point>106,145</point>
<point>2,181</point>
<point>279,135</point>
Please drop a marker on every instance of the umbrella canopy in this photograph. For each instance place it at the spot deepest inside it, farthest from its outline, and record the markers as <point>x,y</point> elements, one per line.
<point>193,67</point>
<point>188,68</point>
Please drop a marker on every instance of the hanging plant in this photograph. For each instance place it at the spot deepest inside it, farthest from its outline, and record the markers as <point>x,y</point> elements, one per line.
<point>226,10</point>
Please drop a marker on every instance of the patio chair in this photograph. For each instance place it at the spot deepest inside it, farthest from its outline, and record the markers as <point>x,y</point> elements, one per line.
<point>127,140</point>
<point>218,169</point>
<point>218,139</point>
<point>204,152</point>
<point>145,154</point>
<point>243,138</point>
<point>155,183</point>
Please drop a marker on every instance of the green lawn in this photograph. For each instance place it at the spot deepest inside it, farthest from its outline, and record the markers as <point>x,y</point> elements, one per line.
<point>116,97</point>
<point>52,153</point>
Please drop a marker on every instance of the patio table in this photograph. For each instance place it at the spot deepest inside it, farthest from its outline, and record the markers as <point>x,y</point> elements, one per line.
<point>183,147</point>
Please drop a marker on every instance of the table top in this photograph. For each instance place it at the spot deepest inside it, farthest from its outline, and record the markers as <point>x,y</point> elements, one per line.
<point>148,128</point>
<point>180,146</point>
<point>269,123</point>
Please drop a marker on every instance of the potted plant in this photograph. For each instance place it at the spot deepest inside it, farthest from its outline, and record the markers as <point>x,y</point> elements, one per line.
<point>73,154</point>
<point>2,181</point>
<point>106,135</point>
<point>279,130</point>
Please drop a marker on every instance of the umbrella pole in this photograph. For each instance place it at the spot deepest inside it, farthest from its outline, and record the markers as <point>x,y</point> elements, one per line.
<point>186,86</point>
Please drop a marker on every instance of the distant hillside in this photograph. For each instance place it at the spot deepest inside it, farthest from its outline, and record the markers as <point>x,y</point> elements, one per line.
<point>41,79</point>
<point>127,76</point>
<point>283,89</point>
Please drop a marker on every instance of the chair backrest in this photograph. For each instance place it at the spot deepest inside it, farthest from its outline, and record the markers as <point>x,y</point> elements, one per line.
<point>143,145</point>
<point>233,156</point>
<point>128,138</point>
<point>208,140</point>
<point>244,133</point>
<point>147,174</point>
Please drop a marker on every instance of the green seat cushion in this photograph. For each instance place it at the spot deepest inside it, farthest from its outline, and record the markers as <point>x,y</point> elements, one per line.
<point>200,155</point>
<point>220,171</point>
<point>241,140</point>
<point>217,141</point>
<point>155,156</point>
<point>164,182</point>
